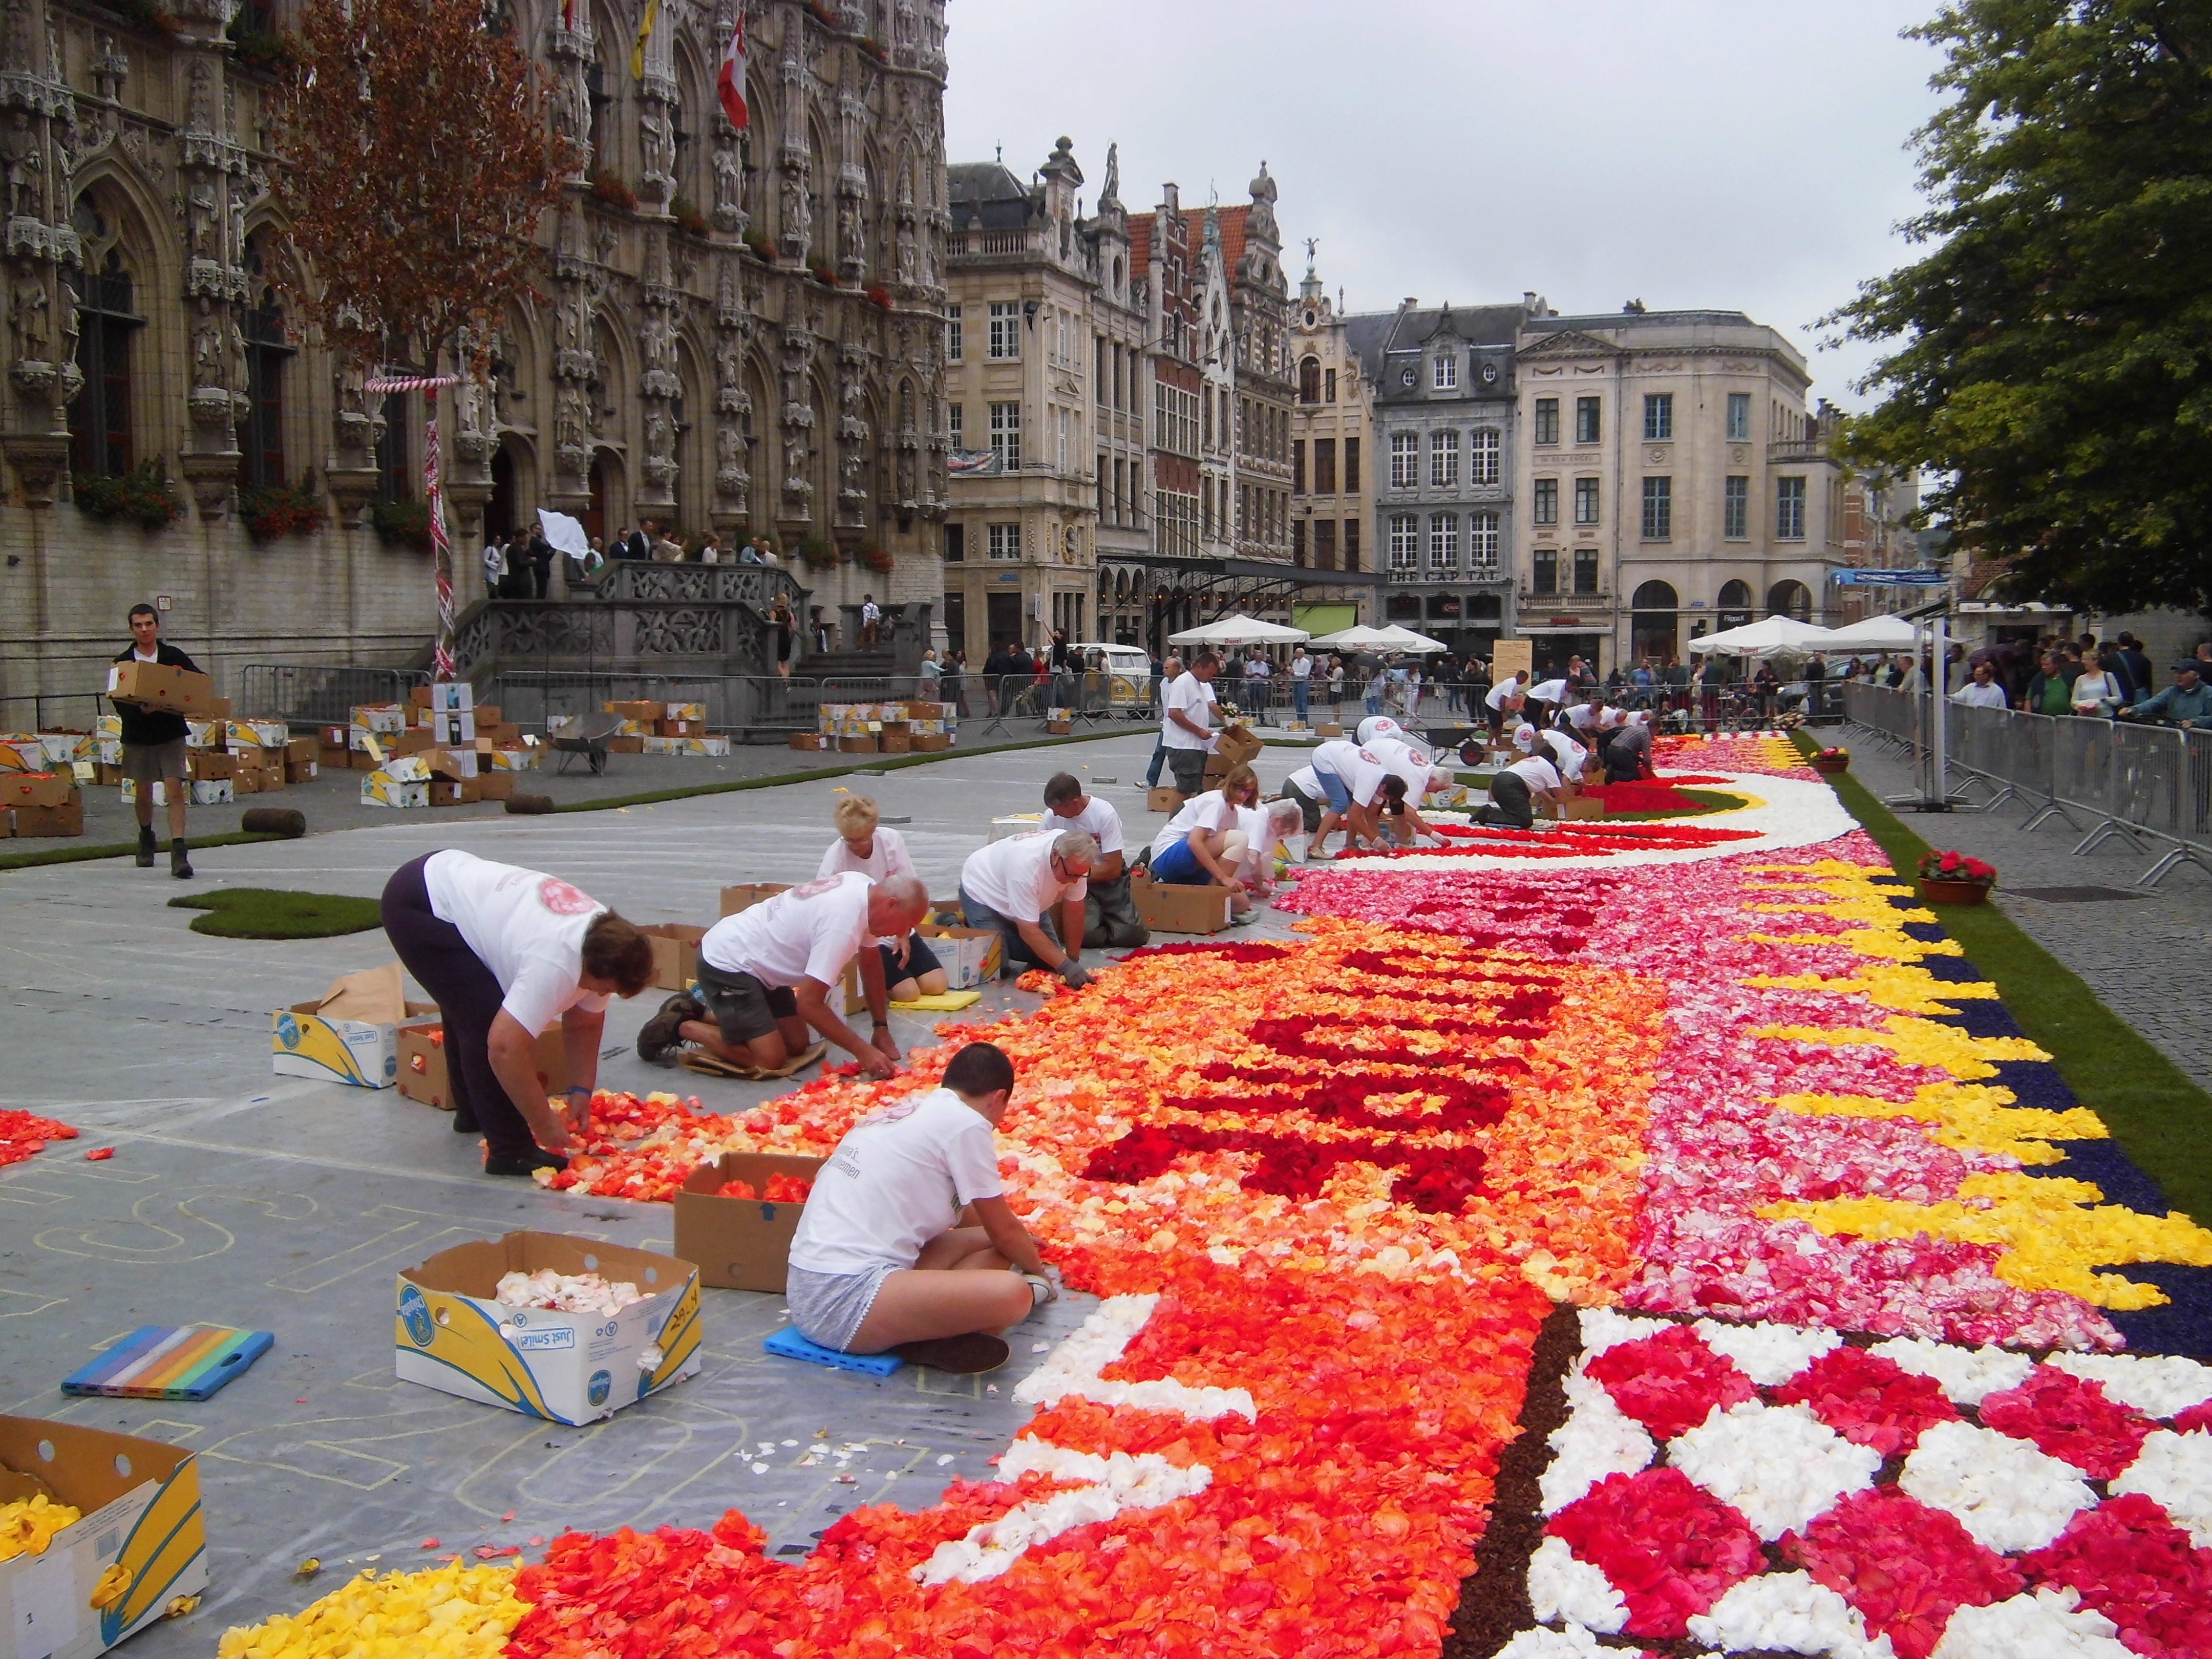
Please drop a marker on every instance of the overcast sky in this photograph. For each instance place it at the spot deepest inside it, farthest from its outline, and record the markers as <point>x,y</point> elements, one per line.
<point>1750,155</point>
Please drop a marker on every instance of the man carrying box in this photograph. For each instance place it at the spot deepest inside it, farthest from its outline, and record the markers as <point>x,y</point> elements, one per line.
<point>1011,885</point>
<point>765,976</point>
<point>505,952</point>
<point>907,1239</point>
<point>153,743</point>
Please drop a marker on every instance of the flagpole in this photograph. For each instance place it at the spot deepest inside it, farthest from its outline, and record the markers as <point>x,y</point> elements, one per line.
<point>441,546</point>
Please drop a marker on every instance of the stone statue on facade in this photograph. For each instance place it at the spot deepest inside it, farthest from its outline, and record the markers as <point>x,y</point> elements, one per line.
<point>729,187</point>
<point>22,166</point>
<point>28,306</point>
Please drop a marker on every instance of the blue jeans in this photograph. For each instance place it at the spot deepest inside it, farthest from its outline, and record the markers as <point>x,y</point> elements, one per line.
<point>1301,691</point>
<point>1016,954</point>
<point>1159,759</point>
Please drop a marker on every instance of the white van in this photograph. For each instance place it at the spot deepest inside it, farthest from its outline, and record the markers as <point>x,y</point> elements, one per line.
<point>1128,668</point>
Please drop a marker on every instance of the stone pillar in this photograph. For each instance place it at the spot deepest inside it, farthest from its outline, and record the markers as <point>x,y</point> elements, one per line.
<point>215,178</point>
<point>38,147</point>
<point>732,514</point>
<point>577,283</point>
<point>659,384</point>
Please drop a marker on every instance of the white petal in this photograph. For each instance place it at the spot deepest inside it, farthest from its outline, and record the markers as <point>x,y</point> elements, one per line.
<point>1779,1465</point>
<point>2155,1384</point>
<point>1968,1375</point>
<point>1787,1613</point>
<point>2044,1626</point>
<point>1562,1586</point>
<point>2174,1471</point>
<point>2004,1492</point>
<point>1597,1440</point>
<point>1769,1355</point>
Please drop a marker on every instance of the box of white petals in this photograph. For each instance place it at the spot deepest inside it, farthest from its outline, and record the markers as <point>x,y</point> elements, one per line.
<point>567,1329</point>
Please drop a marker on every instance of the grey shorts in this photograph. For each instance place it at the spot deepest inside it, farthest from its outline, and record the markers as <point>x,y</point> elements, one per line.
<point>151,762</point>
<point>743,1006</point>
<point>828,1307</point>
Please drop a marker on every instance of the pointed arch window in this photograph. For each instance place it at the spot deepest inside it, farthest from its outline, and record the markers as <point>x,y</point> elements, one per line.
<point>100,418</point>
<point>261,434</point>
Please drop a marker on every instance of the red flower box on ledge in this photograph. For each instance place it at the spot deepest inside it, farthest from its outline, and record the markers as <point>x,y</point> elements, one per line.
<point>1831,761</point>
<point>1956,878</point>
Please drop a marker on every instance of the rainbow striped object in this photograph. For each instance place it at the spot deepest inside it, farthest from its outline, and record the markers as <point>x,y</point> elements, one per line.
<point>171,1362</point>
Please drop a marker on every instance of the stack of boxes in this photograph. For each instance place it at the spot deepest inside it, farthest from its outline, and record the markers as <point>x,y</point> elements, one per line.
<point>681,729</point>
<point>441,749</point>
<point>884,728</point>
<point>44,802</point>
<point>225,758</point>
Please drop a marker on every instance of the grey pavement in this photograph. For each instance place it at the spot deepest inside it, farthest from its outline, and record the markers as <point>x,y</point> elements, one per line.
<point>2137,948</point>
<point>238,1197</point>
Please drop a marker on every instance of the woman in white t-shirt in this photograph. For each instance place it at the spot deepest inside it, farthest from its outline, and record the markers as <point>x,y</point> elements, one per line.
<point>505,953</point>
<point>907,1239</point>
<point>1205,844</point>
<point>911,969</point>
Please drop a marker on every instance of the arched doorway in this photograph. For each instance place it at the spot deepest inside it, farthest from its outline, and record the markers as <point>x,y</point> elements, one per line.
<point>1653,623</point>
<point>1735,604</point>
<point>1791,599</point>
<point>499,511</point>
<point>604,502</point>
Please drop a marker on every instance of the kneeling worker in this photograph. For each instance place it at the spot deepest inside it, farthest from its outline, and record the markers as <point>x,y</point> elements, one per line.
<point>504,952</point>
<point>765,976</point>
<point>1515,790</point>
<point>1354,782</point>
<point>1110,915</point>
<point>1013,886</point>
<point>1628,756</point>
<point>911,969</point>
<point>1205,844</point>
<point>874,1265</point>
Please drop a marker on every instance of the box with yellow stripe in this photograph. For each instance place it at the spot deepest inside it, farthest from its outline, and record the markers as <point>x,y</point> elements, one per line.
<point>138,1551</point>
<point>451,1332</point>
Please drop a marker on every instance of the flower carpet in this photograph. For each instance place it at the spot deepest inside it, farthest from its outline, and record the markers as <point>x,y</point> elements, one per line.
<point>1588,1242</point>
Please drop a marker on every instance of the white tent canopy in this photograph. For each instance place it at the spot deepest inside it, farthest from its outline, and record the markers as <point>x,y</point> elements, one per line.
<point>1770,636</point>
<point>1393,638</point>
<point>1240,629</point>
<point>1875,634</point>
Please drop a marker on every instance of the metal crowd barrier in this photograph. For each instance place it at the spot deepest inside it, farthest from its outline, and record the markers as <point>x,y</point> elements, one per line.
<point>52,711</point>
<point>311,693</point>
<point>2147,785</point>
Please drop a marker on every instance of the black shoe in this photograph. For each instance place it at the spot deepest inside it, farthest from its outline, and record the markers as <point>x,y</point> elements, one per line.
<point>661,1037</point>
<point>465,1120</point>
<point>179,865</point>
<point>535,1160</point>
<point>963,1355</point>
<point>146,847</point>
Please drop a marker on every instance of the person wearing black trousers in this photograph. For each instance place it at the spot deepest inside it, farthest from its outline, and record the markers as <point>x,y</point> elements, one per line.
<point>153,744</point>
<point>505,952</point>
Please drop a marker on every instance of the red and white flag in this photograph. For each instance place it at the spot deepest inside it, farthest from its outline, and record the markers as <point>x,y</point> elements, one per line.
<point>730,85</point>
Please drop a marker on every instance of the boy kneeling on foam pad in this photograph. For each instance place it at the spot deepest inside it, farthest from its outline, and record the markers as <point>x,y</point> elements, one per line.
<point>907,1244</point>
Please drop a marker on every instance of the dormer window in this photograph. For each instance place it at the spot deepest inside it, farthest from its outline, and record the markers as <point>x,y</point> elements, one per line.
<point>1443,373</point>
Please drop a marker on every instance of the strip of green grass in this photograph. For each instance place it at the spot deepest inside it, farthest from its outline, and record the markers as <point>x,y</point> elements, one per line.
<point>279,913</point>
<point>78,853</point>
<point>2159,1115</point>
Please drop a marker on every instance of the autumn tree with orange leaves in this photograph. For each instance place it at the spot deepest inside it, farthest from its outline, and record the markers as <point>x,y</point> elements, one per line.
<point>416,160</point>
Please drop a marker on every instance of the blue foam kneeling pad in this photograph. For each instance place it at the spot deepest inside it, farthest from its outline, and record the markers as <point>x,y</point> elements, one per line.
<point>791,1345</point>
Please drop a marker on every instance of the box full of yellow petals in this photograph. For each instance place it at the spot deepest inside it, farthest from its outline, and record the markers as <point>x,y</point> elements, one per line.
<point>453,1331</point>
<point>137,1547</point>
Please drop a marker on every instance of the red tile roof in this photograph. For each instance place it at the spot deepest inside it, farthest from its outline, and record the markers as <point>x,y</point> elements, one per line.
<point>1232,238</point>
<point>1140,244</point>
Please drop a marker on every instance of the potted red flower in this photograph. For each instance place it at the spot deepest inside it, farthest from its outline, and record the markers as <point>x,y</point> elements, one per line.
<point>1956,878</point>
<point>1831,761</point>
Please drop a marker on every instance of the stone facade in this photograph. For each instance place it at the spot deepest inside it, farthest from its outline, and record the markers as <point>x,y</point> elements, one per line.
<point>754,346</point>
<point>1332,459</point>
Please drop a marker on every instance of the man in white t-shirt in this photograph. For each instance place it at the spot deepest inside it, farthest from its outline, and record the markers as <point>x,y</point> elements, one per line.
<point>1110,913</point>
<point>765,976</point>
<point>871,620</point>
<point>1301,683</point>
<point>1569,756</point>
<point>1020,884</point>
<point>1983,691</point>
<point>1504,698</point>
<point>508,953</point>
<point>1186,722</point>
<point>907,1240</point>
<point>1515,790</point>
<point>1354,782</point>
<point>1549,695</point>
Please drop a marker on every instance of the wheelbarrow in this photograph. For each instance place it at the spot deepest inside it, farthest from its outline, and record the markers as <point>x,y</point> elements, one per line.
<point>589,736</point>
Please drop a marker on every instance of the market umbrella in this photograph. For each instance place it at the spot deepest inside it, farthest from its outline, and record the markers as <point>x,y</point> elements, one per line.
<point>1355,639</point>
<point>1875,634</point>
<point>1770,636</point>
<point>564,532</point>
<point>1240,629</point>
<point>1394,638</point>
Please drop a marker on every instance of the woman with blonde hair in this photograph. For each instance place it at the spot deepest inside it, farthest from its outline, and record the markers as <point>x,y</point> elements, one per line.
<point>1206,843</point>
<point>911,969</point>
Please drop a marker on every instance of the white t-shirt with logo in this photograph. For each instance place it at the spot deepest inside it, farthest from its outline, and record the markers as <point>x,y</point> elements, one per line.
<point>1360,770</point>
<point>1014,877</point>
<point>1536,773</point>
<point>811,931</point>
<point>1409,761</point>
<point>888,858</point>
<point>1504,689</point>
<point>1567,755</point>
<point>895,1181</point>
<point>1210,811</point>
<point>1097,819</point>
<point>1551,691</point>
<point>1194,698</point>
<point>527,927</point>
<point>1377,725</point>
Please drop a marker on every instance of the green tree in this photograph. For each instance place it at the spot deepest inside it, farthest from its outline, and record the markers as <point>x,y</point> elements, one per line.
<point>2052,355</point>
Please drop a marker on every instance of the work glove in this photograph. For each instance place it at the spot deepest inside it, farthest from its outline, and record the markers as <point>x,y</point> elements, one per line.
<point>1073,974</point>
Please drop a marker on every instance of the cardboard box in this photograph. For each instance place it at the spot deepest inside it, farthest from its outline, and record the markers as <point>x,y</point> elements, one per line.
<point>1328,729</point>
<point>450,1334</point>
<point>674,728</point>
<point>971,957</point>
<point>488,714</point>
<point>515,760</point>
<point>362,760</point>
<point>931,743</point>
<point>1237,745</point>
<point>7,824</point>
<point>505,735</point>
<point>246,781</point>
<point>806,740</point>
<point>205,734</point>
<point>66,819</point>
<point>382,789</point>
<point>455,694</point>
<point>646,712</point>
<point>22,751</point>
<point>859,745</point>
<point>1058,728</point>
<point>447,727</point>
<point>211,764</point>
<point>200,792</point>
<point>300,749</point>
<point>675,954</point>
<point>495,785</point>
<point>385,719</point>
<point>1016,824</point>
<point>155,685</point>
<point>422,1074</point>
<point>302,771</point>
<point>37,788</point>
<point>256,734</point>
<point>1579,806</point>
<point>746,894</point>
<point>1163,799</point>
<point>1169,907</point>
<point>350,1034</point>
<point>740,1244</point>
<point>446,792</point>
<point>334,756</point>
<point>141,1503</point>
<point>451,764</point>
<point>272,776</point>
<point>683,711</point>
<point>897,741</point>
<point>695,748</point>
<point>625,744</point>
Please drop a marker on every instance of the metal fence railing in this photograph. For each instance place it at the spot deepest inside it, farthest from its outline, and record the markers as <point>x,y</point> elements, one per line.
<point>2147,785</point>
<point>52,711</point>
<point>313,693</point>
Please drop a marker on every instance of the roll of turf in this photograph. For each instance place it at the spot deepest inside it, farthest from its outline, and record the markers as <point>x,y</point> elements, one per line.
<point>286,821</point>
<point>529,803</point>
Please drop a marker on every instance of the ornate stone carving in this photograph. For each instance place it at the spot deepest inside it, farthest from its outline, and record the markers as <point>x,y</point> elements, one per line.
<point>729,187</point>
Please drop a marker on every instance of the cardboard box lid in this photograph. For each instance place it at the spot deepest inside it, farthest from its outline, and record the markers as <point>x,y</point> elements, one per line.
<point>684,931</point>
<point>706,1180</point>
<point>474,1269</point>
<point>374,996</point>
<point>87,1468</point>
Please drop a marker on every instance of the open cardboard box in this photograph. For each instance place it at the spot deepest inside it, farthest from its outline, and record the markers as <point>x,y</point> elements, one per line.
<point>1237,746</point>
<point>675,953</point>
<point>350,1034</point>
<point>422,1071</point>
<point>157,685</point>
<point>451,1332</point>
<point>1171,907</point>
<point>1571,808</point>
<point>971,957</point>
<point>740,1244</point>
<point>141,1503</point>
<point>746,894</point>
